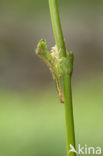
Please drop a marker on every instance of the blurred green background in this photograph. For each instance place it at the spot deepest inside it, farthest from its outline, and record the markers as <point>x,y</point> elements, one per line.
<point>32,121</point>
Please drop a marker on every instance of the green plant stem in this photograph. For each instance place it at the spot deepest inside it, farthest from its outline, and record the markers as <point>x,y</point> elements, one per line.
<point>57,27</point>
<point>70,135</point>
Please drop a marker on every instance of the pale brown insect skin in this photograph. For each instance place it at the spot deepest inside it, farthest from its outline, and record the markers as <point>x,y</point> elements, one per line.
<point>61,96</point>
<point>53,55</point>
<point>50,58</point>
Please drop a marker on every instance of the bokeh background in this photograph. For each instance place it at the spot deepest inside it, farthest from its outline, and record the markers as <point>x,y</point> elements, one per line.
<point>32,121</point>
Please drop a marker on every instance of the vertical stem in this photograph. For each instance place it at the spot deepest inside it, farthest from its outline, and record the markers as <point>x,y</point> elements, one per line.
<point>70,135</point>
<point>57,27</point>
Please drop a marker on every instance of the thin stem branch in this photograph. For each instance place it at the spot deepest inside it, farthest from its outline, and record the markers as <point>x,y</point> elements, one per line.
<point>57,27</point>
<point>70,135</point>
